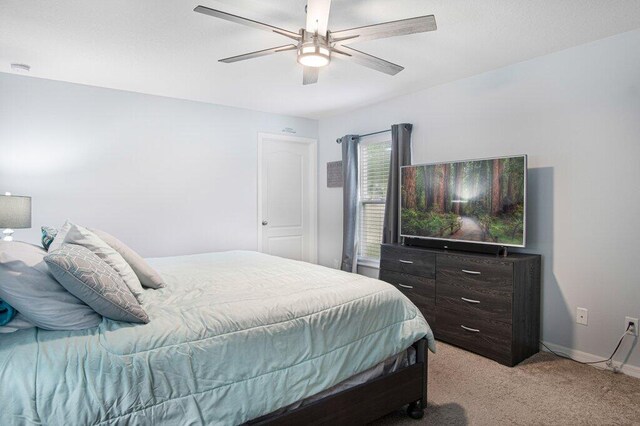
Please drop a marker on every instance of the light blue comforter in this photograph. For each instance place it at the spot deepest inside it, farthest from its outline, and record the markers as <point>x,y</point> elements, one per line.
<point>233,336</point>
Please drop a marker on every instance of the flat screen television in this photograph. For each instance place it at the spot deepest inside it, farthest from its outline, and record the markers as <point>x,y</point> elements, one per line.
<point>474,201</point>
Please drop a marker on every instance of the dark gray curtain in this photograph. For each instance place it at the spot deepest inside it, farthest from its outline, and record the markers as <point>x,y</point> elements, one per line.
<point>349,200</point>
<point>400,156</point>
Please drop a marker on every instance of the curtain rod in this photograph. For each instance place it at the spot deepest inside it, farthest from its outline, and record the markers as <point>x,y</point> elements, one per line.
<point>368,134</point>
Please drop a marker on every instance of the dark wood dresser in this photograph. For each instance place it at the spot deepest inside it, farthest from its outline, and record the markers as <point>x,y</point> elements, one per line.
<point>483,303</point>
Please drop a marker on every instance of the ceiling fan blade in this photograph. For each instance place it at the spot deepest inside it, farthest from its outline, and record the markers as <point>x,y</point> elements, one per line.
<point>420,24</point>
<point>318,16</point>
<point>259,53</point>
<point>369,61</point>
<point>245,21</point>
<point>310,75</point>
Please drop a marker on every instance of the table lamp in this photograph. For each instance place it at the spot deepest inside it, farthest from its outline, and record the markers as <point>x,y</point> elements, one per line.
<point>15,213</point>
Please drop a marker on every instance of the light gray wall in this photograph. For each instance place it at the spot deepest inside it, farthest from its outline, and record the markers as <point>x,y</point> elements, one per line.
<point>576,113</point>
<point>167,176</point>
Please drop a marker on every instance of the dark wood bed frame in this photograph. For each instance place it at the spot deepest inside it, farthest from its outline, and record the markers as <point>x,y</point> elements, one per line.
<point>369,401</point>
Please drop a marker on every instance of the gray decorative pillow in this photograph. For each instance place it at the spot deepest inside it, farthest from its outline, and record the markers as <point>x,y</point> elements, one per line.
<point>83,237</point>
<point>91,280</point>
<point>146,274</point>
<point>28,286</point>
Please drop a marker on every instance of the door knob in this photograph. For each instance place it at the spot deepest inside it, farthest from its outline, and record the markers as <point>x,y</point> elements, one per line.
<point>265,223</point>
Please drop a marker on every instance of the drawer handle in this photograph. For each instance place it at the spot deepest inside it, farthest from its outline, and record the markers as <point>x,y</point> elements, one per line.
<point>469,300</point>
<point>470,272</point>
<point>473,330</point>
<point>408,262</point>
<point>406,286</point>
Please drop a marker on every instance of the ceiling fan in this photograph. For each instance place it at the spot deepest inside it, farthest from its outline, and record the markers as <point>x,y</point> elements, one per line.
<point>315,44</point>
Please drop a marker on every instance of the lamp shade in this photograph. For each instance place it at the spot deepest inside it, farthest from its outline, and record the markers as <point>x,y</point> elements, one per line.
<point>15,212</point>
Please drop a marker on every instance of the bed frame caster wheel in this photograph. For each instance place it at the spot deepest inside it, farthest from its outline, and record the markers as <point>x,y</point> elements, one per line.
<point>415,410</point>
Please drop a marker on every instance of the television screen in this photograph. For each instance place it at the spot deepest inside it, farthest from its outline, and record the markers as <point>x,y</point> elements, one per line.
<point>469,201</point>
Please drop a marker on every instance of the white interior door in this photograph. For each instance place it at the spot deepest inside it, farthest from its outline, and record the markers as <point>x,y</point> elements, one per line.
<point>287,196</point>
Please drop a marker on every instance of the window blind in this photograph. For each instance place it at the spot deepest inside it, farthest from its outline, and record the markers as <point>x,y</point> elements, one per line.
<point>374,174</point>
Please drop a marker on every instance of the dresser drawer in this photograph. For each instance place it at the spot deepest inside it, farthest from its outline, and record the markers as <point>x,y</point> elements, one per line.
<point>408,260</point>
<point>419,289</point>
<point>481,274</point>
<point>483,336</point>
<point>469,301</point>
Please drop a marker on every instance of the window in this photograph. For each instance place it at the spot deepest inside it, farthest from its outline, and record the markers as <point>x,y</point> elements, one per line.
<point>374,158</point>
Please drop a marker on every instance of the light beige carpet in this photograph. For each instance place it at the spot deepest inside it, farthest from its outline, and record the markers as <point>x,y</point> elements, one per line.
<point>467,389</point>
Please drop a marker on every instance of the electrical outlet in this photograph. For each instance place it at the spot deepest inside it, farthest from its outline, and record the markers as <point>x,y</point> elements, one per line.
<point>582,316</point>
<point>634,328</point>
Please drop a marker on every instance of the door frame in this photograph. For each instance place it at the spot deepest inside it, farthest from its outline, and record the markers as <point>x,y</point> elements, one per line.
<point>312,145</point>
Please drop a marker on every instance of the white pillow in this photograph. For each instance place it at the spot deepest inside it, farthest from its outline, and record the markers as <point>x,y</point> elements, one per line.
<point>146,274</point>
<point>28,286</point>
<point>59,238</point>
<point>83,237</point>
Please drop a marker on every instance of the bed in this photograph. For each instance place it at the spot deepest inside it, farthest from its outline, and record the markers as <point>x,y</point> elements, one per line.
<point>234,337</point>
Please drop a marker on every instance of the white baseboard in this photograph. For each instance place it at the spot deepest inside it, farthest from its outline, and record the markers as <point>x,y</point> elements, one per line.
<point>629,370</point>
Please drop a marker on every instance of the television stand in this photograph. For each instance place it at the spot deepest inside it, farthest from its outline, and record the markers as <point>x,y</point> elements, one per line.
<point>481,302</point>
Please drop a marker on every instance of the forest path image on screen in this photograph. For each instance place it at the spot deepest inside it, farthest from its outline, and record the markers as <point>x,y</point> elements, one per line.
<point>470,230</point>
<point>480,200</point>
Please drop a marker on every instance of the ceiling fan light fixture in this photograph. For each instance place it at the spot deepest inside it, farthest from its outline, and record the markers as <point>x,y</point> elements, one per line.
<point>312,54</point>
<point>313,60</point>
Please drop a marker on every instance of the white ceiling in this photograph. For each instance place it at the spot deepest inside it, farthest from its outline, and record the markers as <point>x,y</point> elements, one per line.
<point>162,47</point>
